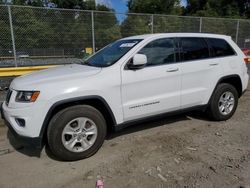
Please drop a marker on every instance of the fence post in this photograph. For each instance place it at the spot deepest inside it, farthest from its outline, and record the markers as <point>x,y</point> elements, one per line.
<point>93,30</point>
<point>12,35</point>
<point>152,23</point>
<point>200,25</point>
<point>237,31</point>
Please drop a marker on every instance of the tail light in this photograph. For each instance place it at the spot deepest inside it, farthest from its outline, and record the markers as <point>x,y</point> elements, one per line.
<point>247,60</point>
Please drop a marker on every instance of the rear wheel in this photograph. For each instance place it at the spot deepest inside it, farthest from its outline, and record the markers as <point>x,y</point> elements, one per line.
<point>223,102</point>
<point>76,132</point>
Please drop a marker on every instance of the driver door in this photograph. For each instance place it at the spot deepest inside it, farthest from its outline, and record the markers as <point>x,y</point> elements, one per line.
<point>156,87</point>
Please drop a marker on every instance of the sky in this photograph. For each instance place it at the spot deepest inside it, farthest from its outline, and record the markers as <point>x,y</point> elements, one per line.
<point>120,6</point>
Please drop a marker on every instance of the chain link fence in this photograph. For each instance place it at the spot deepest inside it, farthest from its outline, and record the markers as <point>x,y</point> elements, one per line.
<point>36,35</point>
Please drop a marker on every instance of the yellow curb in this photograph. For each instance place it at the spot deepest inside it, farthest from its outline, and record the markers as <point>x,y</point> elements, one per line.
<point>17,71</point>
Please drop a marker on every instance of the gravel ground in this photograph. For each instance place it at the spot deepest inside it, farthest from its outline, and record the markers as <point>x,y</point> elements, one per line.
<point>181,151</point>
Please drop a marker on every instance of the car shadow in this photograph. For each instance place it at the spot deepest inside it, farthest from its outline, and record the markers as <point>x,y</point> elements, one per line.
<point>200,115</point>
<point>147,124</point>
<point>26,150</point>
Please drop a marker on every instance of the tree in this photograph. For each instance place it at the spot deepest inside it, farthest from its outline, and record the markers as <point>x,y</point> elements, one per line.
<point>75,4</point>
<point>5,35</point>
<point>136,25</point>
<point>53,31</point>
<point>155,6</point>
<point>141,24</point>
<point>37,3</point>
<point>163,24</point>
<point>244,7</point>
<point>107,28</point>
<point>213,8</point>
<point>29,29</point>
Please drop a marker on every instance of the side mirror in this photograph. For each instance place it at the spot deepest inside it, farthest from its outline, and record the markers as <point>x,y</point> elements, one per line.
<point>138,62</point>
<point>139,59</point>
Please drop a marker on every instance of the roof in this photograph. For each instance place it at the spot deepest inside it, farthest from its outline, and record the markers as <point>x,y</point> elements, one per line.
<point>147,36</point>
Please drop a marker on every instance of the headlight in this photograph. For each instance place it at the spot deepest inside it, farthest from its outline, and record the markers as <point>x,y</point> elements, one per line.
<point>27,96</point>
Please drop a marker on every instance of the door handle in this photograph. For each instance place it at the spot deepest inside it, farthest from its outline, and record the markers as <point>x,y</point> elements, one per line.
<point>172,69</point>
<point>213,64</point>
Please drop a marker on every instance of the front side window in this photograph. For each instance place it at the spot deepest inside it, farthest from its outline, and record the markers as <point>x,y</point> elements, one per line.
<point>160,51</point>
<point>111,53</point>
<point>220,47</point>
<point>193,49</point>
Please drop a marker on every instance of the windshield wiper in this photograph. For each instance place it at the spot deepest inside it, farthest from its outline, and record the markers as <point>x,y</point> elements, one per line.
<point>86,63</point>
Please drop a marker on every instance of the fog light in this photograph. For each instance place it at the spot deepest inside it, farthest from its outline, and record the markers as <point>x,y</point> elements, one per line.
<point>20,122</point>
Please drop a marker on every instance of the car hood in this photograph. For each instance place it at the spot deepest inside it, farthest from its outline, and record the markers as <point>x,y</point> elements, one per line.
<point>54,75</point>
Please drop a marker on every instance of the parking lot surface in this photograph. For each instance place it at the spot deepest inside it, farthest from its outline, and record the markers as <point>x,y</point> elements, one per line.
<point>186,150</point>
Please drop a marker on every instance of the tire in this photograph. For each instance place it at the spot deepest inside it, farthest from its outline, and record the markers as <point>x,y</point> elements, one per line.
<point>216,109</point>
<point>76,132</point>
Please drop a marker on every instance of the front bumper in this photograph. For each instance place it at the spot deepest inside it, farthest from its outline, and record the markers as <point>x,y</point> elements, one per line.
<point>24,140</point>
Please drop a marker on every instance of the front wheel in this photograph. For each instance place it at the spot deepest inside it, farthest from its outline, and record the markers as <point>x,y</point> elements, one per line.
<point>76,132</point>
<point>223,103</point>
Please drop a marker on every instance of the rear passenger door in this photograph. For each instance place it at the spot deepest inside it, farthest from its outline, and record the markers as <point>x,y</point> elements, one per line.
<point>200,73</point>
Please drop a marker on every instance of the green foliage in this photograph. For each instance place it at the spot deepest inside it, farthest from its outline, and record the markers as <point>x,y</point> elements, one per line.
<point>155,6</point>
<point>201,8</point>
<point>37,3</point>
<point>107,28</point>
<point>244,28</point>
<point>216,8</point>
<point>164,24</point>
<point>244,7</point>
<point>67,30</point>
<point>205,8</point>
<point>19,2</point>
<point>28,29</point>
<point>70,30</point>
<point>220,26</point>
<point>75,4</point>
<point>136,25</point>
<point>222,8</point>
<point>5,36</point>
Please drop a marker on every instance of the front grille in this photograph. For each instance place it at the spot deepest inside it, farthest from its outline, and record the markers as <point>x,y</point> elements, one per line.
<point>8,96</point>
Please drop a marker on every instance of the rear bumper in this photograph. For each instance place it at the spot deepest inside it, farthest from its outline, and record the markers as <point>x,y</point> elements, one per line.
<point>24,140</point>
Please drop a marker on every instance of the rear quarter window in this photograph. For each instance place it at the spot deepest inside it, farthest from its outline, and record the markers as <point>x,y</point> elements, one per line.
<point>220,47</point>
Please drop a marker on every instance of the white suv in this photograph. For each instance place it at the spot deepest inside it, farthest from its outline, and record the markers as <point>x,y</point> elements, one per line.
<point>73,106</point>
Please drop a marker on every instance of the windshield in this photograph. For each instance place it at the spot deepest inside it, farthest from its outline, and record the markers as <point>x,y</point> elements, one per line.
<point>111,53</point>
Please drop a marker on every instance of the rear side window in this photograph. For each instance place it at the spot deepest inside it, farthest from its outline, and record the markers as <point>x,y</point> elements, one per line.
<point>220,47</point>
<point>194,49</point>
